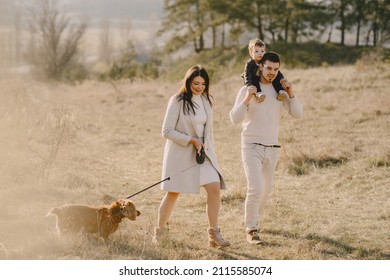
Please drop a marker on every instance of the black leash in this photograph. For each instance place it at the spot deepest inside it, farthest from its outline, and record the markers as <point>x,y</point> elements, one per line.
<point>166,179</point>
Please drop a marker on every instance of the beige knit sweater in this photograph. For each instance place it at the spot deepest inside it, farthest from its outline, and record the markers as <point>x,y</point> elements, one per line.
<point>260,121</point>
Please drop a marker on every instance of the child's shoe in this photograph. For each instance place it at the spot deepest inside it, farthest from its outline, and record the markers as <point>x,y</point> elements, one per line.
<point>260,97</point>
<point>282,95</point>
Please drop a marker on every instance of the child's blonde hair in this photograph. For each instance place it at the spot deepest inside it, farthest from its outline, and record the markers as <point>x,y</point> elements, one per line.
<point>255,43</point>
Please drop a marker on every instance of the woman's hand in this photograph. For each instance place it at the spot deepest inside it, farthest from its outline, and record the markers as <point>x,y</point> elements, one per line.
<point>197,143</point>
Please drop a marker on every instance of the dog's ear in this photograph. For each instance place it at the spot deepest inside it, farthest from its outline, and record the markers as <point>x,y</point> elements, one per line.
<point>123,209</point>
<point>125,201</point>
<point>115,207</point>
<point>123,204</point>
<point>138,213</point>
<point>115,204</point>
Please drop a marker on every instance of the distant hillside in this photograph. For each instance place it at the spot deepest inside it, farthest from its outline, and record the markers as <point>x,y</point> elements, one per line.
<point>219,62</point>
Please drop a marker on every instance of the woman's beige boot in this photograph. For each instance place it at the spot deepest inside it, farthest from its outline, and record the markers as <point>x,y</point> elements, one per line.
<point>216,240</point>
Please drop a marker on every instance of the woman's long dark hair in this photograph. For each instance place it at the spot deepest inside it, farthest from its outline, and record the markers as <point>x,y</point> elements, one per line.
<point>185,92</point>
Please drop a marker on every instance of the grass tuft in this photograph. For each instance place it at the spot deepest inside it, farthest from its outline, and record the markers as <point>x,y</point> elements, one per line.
<point>301,164</point>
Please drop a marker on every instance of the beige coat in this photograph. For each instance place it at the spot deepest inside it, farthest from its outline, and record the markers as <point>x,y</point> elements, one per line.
<point>179,155</point>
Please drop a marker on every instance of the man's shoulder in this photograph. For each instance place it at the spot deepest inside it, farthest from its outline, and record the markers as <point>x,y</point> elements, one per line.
<point>243,89</point>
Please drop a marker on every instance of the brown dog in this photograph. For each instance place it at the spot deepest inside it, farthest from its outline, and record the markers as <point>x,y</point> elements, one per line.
<point>101,220</point>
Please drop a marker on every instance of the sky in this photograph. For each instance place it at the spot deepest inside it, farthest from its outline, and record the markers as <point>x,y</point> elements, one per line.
<point>134,9</point>
<point>141,12</point>
<point>143,17</point>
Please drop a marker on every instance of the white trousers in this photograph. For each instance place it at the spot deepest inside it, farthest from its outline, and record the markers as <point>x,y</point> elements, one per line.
<point>259,165</point>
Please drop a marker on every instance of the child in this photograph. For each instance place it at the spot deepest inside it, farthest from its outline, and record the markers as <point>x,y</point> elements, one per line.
<point>251,73</point>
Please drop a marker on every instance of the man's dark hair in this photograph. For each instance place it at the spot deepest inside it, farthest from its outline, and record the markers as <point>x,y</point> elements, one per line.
<point>270,56</point>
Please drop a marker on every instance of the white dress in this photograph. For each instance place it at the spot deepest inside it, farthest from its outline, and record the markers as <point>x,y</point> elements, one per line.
<point>208,174</point>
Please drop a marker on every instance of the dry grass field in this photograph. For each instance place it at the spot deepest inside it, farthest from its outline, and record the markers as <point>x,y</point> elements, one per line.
<point>96,141</point>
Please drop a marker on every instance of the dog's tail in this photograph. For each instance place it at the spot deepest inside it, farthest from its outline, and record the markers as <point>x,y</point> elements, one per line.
<point>53,211</point>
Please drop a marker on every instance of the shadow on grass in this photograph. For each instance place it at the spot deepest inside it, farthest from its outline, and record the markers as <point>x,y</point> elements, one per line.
<point>181,250</point>
<point>340,249</point>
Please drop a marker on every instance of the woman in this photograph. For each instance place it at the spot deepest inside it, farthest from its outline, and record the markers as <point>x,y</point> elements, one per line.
<point>188,129</point>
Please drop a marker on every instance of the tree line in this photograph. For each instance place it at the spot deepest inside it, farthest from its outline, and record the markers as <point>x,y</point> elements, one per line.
<point>218,23</point>
<point>53,50</point>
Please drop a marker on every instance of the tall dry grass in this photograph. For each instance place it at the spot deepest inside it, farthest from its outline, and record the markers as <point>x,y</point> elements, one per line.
<point>86,143</point>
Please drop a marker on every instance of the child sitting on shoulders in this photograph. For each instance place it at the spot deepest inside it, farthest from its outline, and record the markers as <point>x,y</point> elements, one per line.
<point>251,73</point>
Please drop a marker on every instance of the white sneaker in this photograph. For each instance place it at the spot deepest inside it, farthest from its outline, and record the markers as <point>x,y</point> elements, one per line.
<point>282,95</point>
<point>252,237</point>
<point>260,97</point>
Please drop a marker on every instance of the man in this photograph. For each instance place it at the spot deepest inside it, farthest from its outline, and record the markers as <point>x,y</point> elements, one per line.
<point>259,138</point>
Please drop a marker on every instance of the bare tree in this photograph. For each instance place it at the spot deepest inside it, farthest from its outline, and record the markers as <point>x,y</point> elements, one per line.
<point>17,31</point>
<point>105,47</point>
<point>5,38</point>
<point>125,29</point>
<point>54,40</point>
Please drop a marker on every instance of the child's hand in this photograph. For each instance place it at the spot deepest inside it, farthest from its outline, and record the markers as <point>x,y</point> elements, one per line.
<point>250,92</point>
<point>286,85</point>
